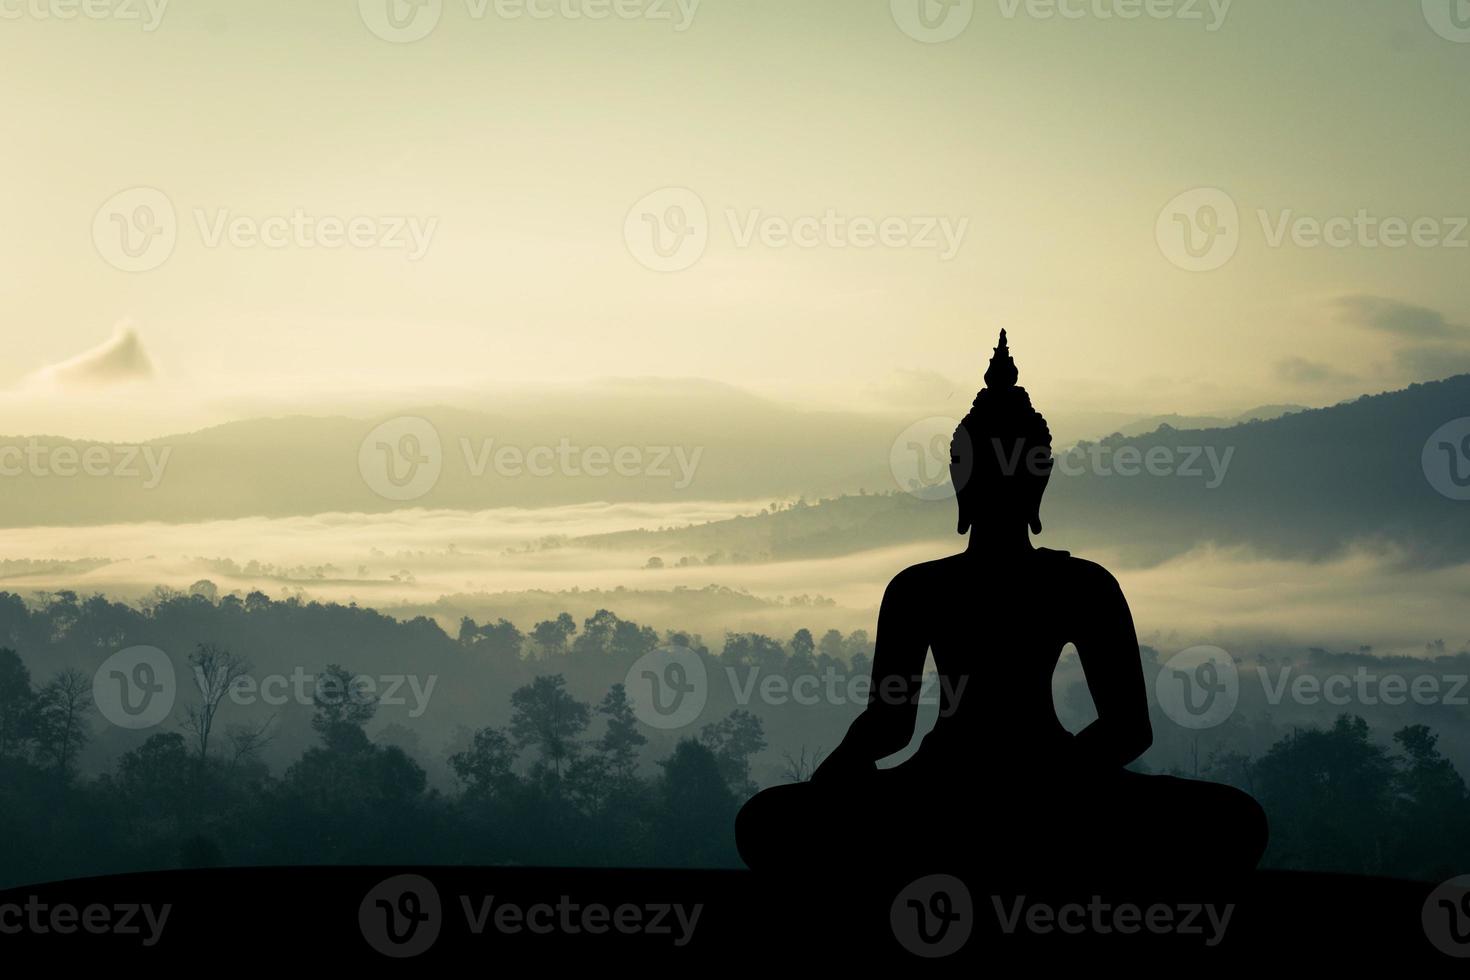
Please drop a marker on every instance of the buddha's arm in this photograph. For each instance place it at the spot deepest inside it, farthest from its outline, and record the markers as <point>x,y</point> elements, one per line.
<point>887,723</point>
<point>1108,648</point>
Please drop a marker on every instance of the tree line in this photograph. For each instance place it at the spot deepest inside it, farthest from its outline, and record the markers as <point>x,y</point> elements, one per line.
<point>559,771</point>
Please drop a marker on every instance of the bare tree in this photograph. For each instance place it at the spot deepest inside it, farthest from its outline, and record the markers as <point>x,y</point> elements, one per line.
<point>246,741</point>
<point>61,726</point>
<point>17,703</point>
<point>215,672</point>
<point>799,769</point>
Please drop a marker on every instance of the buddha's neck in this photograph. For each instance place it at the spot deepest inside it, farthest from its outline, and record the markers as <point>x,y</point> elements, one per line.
<point>1000,542</point>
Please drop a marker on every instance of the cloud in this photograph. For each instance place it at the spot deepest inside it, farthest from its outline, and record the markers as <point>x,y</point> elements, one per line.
<point>1400,319</point>
<point>1432,347</point>
<point>120,360</point>
<point>908,387</point>
<point>1299,370</point>
<point>1434,362</point>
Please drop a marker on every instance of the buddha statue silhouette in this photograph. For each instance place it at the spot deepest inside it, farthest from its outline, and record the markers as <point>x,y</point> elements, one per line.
<point>998,784</point>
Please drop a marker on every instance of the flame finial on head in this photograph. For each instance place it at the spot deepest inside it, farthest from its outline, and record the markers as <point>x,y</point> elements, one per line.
<point>1002,372</point>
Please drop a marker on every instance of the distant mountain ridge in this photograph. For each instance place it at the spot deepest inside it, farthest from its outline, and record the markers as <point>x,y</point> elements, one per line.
<point>303,465</point>
<point>1355,473</point>
<point>1262,413</point>
<point>1306,485</point>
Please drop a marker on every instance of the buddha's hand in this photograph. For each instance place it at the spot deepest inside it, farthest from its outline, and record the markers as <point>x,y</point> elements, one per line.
<point>843,766</point>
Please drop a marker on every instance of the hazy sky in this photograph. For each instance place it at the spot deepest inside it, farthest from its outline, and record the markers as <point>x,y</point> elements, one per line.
<point>517,147</point>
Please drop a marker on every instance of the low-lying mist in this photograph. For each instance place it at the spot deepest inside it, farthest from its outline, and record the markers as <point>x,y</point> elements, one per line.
<point>525,565</point>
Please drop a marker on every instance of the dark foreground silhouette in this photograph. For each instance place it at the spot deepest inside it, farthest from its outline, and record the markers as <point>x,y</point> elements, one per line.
<point>448,917</point>
<point>999,785</point>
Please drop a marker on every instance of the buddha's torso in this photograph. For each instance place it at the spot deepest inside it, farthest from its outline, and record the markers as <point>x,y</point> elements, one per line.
<point>996,633</point>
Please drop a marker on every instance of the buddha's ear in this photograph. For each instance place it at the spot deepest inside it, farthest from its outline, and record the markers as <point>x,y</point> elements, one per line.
<point>1035,521</point>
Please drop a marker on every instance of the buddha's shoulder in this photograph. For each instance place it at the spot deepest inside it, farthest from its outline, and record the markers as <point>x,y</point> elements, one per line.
<point>1054,563</point>
<point>961,565</point>
<point>1079,570</point>
<point>924,574</point>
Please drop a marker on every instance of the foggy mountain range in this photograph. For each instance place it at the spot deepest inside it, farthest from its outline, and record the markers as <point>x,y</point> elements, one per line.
<point>1305,485</point>
<point>1302,484</point>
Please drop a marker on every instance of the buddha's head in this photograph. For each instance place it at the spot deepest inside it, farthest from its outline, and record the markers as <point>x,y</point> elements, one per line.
<point>1000,457</point>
